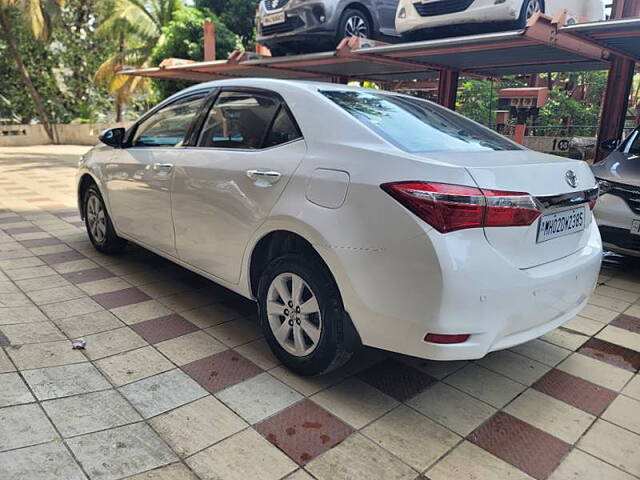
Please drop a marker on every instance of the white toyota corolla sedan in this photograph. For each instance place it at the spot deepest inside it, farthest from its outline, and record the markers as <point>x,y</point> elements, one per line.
<point>353,217</point>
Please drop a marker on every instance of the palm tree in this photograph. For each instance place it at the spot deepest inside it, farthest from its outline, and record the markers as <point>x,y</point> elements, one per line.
<point>39,16</point>
<point>136,27</point>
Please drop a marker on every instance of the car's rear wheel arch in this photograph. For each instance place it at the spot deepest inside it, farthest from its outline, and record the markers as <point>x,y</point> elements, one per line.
<point>273,245</point>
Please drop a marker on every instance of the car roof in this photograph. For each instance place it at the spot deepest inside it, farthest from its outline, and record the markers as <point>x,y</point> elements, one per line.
<point>275,84</point>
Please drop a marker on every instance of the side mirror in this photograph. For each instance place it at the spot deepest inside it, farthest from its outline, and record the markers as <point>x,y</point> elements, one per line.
<point>609,145</point>
<point>112,137</point>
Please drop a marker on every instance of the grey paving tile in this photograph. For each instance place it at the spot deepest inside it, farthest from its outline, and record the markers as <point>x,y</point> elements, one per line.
<point>13,391</point>
<point>155,395</point>
<point>65,380</point>
<point>38,332</point>
<point>259,397</point>
<point>49,461</point>
<point>24,425</point>
<point>13,315</point>
<point>90,412</point>
<point>89,323</point>
<point>120,452</point>
<point>39,355</point>
<point>70,308</point>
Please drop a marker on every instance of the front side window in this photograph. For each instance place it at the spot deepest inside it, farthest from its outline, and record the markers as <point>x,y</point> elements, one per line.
<point>239,120</point>
<point>168,126</point>
<point>415,125</point>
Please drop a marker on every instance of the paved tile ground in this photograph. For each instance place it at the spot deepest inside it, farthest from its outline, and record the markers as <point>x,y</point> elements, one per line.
<point>176,382</point>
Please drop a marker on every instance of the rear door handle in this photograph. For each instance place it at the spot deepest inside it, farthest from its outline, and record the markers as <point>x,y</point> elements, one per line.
<point>163,167</point>
<point>264,177</point>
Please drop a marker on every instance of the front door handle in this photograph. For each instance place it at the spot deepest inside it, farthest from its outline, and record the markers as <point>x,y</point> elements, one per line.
<point>264,177</point>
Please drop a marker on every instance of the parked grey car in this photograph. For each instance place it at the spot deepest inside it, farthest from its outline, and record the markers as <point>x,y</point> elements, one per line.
<point>618,209</point>
<point>303,26</point>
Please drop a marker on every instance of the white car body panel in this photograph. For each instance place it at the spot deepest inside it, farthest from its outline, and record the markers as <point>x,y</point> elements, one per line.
<point>488,11</point>
<point>399,278</point>
<point>216,207</point>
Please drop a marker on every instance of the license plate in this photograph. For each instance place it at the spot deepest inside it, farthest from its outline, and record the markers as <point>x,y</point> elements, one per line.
<point>635,227</point>
<point>562,223</point>
<point>274,19</point>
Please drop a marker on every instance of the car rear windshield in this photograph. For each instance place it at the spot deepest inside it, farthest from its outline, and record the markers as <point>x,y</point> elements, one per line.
<point>415,125</point>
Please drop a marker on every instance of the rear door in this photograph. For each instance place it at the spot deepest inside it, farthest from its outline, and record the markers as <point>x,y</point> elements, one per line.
<point>225,187</point>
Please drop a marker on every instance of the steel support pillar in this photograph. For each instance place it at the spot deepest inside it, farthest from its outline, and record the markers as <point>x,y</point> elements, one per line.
<point>209,30</point>
<point>615,103</point>
<point>448,88</point>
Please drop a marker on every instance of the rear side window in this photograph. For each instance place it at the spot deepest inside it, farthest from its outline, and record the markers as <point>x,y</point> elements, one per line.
<point>239,120</point>
<point>283,130</point>
<point>167,127</point>
<point>416,126</point>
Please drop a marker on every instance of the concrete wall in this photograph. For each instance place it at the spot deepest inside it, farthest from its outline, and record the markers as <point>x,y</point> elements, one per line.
<point>26,135</point>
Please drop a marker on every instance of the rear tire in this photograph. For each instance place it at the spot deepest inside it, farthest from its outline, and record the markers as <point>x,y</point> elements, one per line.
<point>302,315</point>
<point>529,8</point>
<point>101,233</point>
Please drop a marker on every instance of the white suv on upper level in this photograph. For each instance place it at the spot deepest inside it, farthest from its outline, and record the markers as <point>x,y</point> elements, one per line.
<point>415,16</point>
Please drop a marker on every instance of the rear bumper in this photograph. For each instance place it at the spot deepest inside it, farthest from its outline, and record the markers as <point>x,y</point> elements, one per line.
<point>459,284</point>
<point>480,11</point>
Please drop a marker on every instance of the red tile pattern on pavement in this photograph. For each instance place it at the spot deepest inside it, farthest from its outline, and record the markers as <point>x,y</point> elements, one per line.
<point>397,379</point>
<point>121,298</point>
<point>54,258</point>
<point>627,322</point>
<point>221,370</point>
<point>520,444</point>
<point>89,275</point>
<point>163,328</point>
<point>575,391</point>
<point>304,431</point>
<point>613,354</point>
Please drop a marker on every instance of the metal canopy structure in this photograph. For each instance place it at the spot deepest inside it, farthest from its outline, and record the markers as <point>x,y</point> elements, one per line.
<point>621,35</point>
<point>543,46</point>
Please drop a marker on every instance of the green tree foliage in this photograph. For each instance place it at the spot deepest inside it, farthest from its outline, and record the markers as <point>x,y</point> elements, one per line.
<point>60,69</point>
<point>135,28</point>
<point>183,38</point>
<point>237,15</point>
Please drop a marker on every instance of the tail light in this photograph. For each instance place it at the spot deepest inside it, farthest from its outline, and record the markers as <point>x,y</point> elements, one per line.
<point>448,208</point>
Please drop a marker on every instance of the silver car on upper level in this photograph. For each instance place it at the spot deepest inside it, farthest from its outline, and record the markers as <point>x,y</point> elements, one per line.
<point>301,26</point>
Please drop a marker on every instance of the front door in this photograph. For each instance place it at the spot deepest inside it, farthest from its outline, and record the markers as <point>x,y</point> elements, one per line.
<point>226,186</point>
<point>138,177</point>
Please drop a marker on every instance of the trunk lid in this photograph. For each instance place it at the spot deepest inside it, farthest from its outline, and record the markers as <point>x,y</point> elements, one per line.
<point>545,178</point>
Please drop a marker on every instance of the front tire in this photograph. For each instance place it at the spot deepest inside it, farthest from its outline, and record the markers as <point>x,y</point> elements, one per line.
<point>100,229</point>
<point>301,314</point>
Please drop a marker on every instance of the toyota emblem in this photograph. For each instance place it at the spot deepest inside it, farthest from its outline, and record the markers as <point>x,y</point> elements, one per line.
<point>571,178</point>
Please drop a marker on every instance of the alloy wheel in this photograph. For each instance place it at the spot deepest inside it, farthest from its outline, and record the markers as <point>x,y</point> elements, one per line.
<point>294,314</point>
<point>96,219</point>
<point>356,26</point>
